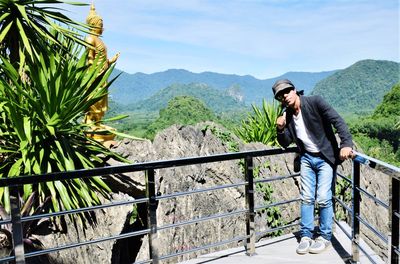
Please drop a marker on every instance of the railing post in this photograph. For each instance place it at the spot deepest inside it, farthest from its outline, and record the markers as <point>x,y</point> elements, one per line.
<point>152,215</point>
<point>394,210</point>
<point>250,223</point>
<point>355,234</point>
<point>17,233</point>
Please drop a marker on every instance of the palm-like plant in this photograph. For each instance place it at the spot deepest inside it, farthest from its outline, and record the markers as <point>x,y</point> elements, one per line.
<point>45,88</point>
<point>41,129</point>
<point>260,126</point>
<point>25,26</point>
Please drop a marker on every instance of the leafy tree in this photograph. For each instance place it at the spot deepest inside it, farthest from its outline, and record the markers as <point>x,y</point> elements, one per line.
<point>390,106</point>
<point>182,110</point>
<point>379,134</point>
<point>260,126</point>
<point>380,149</point>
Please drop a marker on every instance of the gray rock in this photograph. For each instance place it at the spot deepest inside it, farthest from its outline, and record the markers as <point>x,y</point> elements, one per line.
<point>191,141</point>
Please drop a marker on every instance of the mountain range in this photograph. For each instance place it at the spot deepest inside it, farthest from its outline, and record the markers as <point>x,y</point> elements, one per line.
<point>131,88</point>
<point>357,89</point>
<point>216,100</point>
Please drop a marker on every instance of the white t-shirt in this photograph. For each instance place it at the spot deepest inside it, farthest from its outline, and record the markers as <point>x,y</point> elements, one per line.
<point>301,132</point>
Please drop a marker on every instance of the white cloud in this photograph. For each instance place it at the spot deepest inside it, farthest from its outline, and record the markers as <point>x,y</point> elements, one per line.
<point>262,38</point>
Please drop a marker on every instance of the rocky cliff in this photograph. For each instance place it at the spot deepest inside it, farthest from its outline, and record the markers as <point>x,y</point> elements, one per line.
<point>190,141</point>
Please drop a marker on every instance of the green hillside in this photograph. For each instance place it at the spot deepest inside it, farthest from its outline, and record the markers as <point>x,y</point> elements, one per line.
<point>217,101</point>
<point>359,88</point>
<point>181,110</point>
<point>390,106</point>
<point>377,134</point>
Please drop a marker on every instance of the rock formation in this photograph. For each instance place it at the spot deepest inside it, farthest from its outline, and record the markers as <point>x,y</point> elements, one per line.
<point>190,141</point>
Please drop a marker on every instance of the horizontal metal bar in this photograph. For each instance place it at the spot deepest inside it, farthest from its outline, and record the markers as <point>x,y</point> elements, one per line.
<point>365,253</point>
<point>358,245</point>
<point>344,178</point>
<point>172,195</point>
<point>370,227</point>
<point>197,220</point>
<point>3,260</point>
<point>277,178</point>
<point>348,209</point>
<point>343,229</point>
<point>396,250</point>
<point>203,247</point>
<point>109,170</point>
<point>373,198</point>
<point>276,204</point>
<point>5,222</point>
<point>397,214</point>
<point>260,234</point>
<point>382,166</point>
<point>85,209</point>
<point>85,243</point>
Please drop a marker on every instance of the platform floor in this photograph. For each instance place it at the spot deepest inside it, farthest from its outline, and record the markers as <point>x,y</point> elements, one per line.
<point>283,250</point>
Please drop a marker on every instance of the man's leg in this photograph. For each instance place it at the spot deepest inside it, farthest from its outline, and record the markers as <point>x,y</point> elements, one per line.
<point>308,184</point>
<point>324,200</point>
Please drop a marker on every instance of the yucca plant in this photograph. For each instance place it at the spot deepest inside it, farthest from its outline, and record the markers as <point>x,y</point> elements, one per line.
<point>25,26</point>
<point>41,129</point>
<point>45,88</point>
<point>260,125</point>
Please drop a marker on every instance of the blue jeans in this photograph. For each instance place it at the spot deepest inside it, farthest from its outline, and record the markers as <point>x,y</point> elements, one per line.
<point>316,176</point>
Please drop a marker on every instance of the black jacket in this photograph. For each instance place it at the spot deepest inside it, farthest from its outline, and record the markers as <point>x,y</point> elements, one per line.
<point>319,118</point>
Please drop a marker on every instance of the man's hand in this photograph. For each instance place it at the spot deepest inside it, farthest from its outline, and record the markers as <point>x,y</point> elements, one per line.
<point>346,153</point>
<point>281,121</point>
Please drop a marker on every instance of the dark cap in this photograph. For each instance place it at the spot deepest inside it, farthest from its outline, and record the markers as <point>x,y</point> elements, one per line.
<point>281,85</point>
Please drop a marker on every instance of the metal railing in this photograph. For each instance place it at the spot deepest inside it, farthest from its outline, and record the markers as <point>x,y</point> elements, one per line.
<point>152,198</point>
<point>392,238</point>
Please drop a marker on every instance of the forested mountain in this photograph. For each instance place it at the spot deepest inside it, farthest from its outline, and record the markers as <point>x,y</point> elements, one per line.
<point>378,133</point>
<point>359,88</point>
<point>390,106</point>
<point>217,100</point>
<point>181,110</point>
<point>130,88</point>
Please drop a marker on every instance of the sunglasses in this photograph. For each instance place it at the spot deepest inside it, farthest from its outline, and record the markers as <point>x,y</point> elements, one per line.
<point>281,96</point>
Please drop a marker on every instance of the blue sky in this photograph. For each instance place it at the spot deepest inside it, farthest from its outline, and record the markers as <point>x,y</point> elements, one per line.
<point>262,38</point>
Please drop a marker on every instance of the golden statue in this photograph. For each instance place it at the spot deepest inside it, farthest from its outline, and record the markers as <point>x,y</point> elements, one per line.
<point>98,49</point>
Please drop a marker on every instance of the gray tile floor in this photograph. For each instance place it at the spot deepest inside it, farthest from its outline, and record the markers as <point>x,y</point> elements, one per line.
<point>282,250</point>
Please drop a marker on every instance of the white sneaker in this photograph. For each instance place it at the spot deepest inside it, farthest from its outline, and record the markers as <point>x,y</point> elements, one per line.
<point>319,245</point>
<point>304,245</point>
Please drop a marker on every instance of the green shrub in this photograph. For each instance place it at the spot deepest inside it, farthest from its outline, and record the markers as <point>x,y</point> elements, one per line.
<point>260,126</point>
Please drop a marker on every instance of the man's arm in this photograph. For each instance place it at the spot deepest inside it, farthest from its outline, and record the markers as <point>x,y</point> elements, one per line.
<point>346,141</point>
<point>283,134</point>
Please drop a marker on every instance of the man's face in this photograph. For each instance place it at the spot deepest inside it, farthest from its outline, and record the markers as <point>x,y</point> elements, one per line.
<point>287,97</point>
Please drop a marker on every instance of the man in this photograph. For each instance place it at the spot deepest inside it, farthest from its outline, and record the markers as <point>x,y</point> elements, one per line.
<point>309,122</point>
